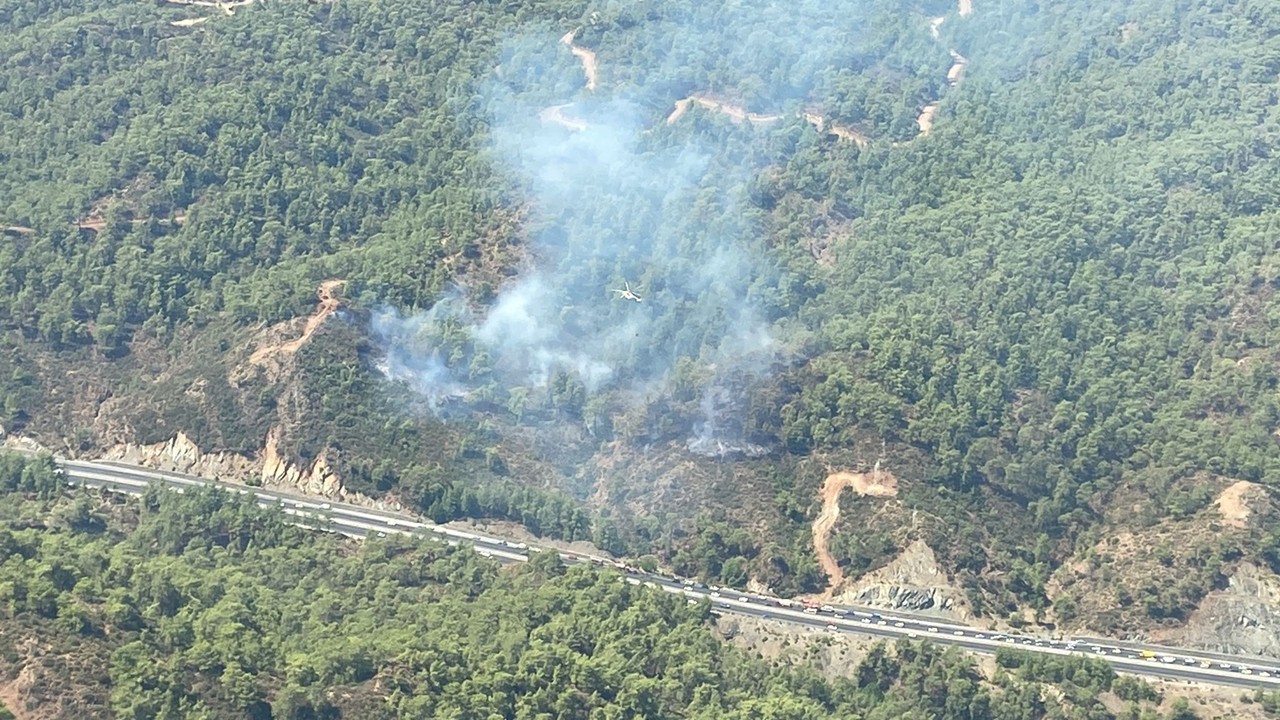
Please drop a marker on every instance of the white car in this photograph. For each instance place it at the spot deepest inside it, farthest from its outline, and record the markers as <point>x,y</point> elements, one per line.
<point>715,594</point>
<point>897,624</point>
<point>933,629</point>
<point>382,534</point>
<point>958,632</point>
<point>832,627</point>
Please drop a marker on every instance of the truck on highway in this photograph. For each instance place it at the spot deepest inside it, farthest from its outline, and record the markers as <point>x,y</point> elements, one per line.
<point>1146,654</point>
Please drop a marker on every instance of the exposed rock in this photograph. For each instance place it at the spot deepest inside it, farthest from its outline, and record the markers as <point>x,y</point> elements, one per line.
<point>1242,618</point>
<point>913,581</point>
<point>316,479</point>
<point>23,444</point>
<point>180,454</point>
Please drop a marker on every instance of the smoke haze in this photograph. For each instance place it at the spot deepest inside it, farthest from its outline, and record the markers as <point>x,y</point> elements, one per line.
<point>619,202</point>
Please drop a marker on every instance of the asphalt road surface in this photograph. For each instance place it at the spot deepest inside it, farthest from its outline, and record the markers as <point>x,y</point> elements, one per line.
<point>1162,661</point>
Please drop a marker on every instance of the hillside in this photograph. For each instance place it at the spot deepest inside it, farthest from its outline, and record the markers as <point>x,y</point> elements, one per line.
<point>648,275</point>
<point>204,605</point>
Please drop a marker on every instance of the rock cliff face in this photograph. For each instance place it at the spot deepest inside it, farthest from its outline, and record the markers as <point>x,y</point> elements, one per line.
<point>913,581</point>
<point>1242,618</point>
<point>180,454</point>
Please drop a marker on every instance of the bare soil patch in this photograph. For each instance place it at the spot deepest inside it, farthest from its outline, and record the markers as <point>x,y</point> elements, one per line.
<point>877,483</point>
<point>966,7</point>
<point>328,304</point>
<point>188,22</point>
<point>555,114</point>
<point>1233,503</point>
<point>586,55</point>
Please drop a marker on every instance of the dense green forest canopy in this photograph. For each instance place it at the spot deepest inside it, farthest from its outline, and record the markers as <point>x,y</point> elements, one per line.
<point>1063,294</point>
<point>204,605</point>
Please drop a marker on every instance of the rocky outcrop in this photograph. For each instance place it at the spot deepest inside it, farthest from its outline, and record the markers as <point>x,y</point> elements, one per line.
<point>1243,618</point>
<point>180,454</point>
<point>317,478</point>
<point>913,581</point>
<point>903,597</point>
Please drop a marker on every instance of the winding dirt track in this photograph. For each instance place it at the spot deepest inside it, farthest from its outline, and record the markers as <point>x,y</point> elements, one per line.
<point>735,113</point>
<point>328,304</point>
<point>587,56</point>
<point>878,483</point>
<point>556,114</point>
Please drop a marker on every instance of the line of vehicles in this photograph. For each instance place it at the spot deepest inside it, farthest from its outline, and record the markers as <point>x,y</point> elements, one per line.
<point>363,522</point>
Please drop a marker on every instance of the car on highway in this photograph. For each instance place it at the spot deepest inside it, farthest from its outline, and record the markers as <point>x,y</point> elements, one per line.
<point>715,594</point>
<point>832,627</point>
<point>811,611</point>
<point>898,624</point>
<point>827,608</point>
<point>933,629</point>
<point>382,534</point>
<point>743,598</point>
<point>958,632</point>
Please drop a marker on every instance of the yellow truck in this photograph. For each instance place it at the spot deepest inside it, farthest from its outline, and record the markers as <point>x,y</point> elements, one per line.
<point>1146,654</point>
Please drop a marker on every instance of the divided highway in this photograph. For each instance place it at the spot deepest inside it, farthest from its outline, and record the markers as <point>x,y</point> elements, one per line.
<point>355,521</point>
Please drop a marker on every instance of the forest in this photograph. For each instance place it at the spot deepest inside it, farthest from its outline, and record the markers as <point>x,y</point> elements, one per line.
<point>204,605</point>
<point>1056,303</point>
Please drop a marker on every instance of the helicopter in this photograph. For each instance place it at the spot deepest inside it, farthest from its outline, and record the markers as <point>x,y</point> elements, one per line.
<point>627,294</point>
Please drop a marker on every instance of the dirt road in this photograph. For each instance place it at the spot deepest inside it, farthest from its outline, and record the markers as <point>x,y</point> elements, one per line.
<point>587,56</point>
<point>842,132</point>
<point>328,304</point>
<point>555,114</point>
<point>735,113</point>
<point>878,483</point>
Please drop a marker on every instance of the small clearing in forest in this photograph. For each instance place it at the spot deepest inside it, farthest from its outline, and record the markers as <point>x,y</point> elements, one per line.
<point>1234,505</point>
<point>877,483</point>
<point>328,304</point>
<point>188,22</point>
<point>966,7</point>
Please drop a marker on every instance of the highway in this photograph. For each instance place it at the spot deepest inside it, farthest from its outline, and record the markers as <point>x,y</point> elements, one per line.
<point>361,522</point>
